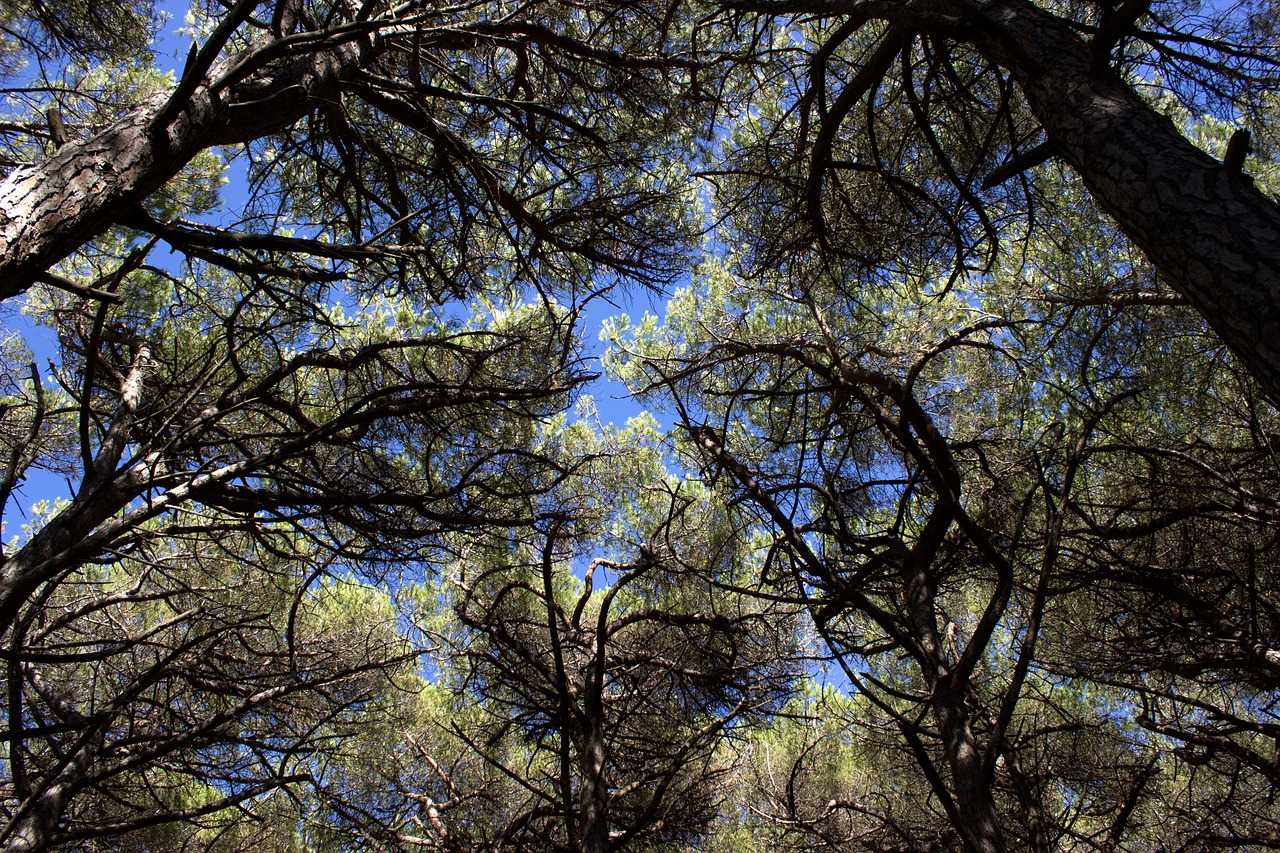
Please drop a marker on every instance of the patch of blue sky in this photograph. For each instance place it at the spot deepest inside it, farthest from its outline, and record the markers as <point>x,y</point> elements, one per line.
<point>38,484</point>
<point>614,404</point>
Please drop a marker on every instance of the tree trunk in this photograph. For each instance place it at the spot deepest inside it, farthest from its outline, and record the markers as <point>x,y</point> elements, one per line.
<point>594,795</point>
<point>51,208</point>
<point>976,806</point>
<point>1212,235</point>
<point>979,825</point>
<point>46,554</point>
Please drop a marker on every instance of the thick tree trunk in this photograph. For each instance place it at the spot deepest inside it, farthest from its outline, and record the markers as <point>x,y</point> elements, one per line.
<point>50,208</point>
<point>1212,235</point>
<point>974,802</point>
<point>976,808</point>
<point>594,794</point>
<point>33,829</point>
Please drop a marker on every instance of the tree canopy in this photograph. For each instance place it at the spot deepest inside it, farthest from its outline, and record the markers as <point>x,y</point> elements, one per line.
<point>943,511</point>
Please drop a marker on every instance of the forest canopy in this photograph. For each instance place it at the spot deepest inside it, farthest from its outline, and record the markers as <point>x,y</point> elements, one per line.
<point>939,508</point>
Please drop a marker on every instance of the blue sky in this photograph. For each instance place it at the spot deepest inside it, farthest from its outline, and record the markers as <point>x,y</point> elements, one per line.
<point>613,403</point>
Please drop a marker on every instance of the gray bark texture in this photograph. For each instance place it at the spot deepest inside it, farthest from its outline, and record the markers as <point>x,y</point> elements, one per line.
<point>1212,235</point>
<point>594,808</point>
<point>51,208</point>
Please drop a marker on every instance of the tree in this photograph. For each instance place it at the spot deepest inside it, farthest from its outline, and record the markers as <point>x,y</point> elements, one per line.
<point>177,694</point>
<point>816,777</point>
<point>881,551</point>
<point>962,535</point>
<point>219,442</point>
<point>289,393</point>
<point>893,114</point>
<point>425,145</point>
<point>619,696</point>
<point>990,501</point>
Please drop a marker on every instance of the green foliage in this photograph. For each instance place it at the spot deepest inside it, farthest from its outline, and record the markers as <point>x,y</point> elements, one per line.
<point>946,508</point>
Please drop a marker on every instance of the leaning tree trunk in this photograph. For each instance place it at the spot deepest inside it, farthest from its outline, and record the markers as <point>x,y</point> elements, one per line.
<point>51,208</point>
<point>1212,235</point>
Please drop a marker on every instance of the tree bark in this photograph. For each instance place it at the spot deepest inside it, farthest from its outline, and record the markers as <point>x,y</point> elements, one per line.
<point>51,208</point>
<point>1212,235</point>
<point>974,802</point>
<point>594,794</point>
<point>979,824</point>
